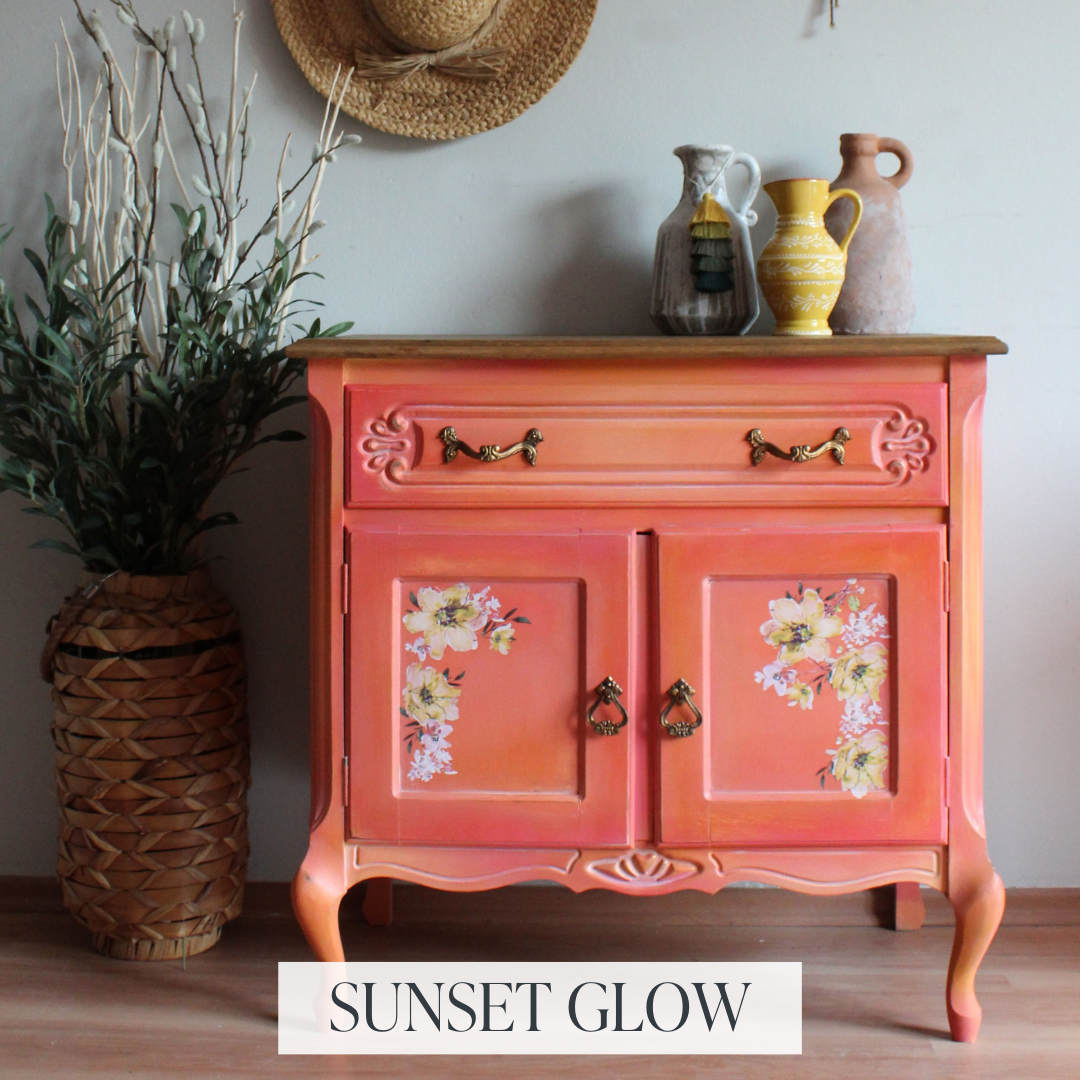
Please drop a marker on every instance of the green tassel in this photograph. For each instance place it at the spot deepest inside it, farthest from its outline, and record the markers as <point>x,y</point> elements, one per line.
<point>713,283</point>
<point>708,263</point>
<point>719,248</point>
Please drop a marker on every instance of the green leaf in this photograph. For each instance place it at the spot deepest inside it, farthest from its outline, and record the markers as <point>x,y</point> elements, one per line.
<point>181,215</point>
<point>853,603</point>
<point>281,436</point>
<point>520,618</point>
<point>215,521</point>
<point>413,600</point>
<point>56,545</point>
<point>331,331</point>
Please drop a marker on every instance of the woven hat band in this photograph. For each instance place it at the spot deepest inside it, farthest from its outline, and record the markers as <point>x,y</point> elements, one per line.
<point>433,24</point>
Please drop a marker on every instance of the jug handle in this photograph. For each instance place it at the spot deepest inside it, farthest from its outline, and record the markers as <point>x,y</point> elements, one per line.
<point>907,166</point>
<point>847,193</point>
<point>753,187</point>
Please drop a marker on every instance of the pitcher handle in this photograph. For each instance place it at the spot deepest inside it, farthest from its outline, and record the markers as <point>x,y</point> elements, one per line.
<point>752,188</point>
<point>847,193</point>
<point>907,166</point>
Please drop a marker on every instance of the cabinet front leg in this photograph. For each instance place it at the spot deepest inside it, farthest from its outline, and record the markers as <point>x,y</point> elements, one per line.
<point>910,911</point>
<point>978,912</point>
<point>316,905</point>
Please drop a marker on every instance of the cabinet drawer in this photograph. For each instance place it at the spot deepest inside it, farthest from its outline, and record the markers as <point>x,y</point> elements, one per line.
<point>616,445</point>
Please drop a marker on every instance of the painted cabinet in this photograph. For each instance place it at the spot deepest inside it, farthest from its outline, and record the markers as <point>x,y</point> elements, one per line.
<point>647,615</point>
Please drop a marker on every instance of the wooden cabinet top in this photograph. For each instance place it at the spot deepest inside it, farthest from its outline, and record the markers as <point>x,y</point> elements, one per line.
<point>643,348</point>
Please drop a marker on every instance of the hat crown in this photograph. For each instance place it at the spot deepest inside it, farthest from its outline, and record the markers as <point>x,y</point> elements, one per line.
<point>433,24</point>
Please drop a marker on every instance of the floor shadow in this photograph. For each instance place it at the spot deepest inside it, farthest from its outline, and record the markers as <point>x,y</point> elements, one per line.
<point>915,1029</point>
<point>883,906</point>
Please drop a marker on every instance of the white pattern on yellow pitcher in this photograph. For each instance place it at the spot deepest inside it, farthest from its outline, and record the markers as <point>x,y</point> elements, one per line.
<point>802,268</point>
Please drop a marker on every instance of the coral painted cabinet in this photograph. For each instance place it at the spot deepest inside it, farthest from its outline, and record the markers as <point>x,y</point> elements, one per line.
<point>848,628</point>
<point>649,614</point>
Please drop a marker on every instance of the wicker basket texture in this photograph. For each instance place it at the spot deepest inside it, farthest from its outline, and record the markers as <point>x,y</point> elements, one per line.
<point>151,763</point>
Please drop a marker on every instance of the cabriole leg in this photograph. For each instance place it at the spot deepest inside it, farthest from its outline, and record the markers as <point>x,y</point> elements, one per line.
<point>316,905</point>
<point>978,912</point>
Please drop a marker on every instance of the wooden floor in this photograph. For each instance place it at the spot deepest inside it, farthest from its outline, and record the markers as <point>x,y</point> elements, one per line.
<point>873,998</point>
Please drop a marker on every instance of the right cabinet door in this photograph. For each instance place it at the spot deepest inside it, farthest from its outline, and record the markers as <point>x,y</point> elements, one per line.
<point>818,663</point>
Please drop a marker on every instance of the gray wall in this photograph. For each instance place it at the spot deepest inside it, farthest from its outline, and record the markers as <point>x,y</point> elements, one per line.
<point>547,226</point>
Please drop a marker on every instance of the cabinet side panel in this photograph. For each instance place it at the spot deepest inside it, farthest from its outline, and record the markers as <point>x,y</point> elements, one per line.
<point>967,394</point>
<point>324,385</point>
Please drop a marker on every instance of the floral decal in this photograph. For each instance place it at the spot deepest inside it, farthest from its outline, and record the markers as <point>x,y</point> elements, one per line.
<point>859,764</point>
<point>805,629</point>
<point>455,618</point>
<point>450,617</point>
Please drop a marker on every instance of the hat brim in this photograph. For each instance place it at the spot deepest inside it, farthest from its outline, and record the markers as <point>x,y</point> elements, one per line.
<point>541,38</point>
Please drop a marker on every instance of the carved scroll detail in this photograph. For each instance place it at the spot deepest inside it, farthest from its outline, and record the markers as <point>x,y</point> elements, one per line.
<point>643,868</point>
<point>386,446</point>
<point>906,445</point>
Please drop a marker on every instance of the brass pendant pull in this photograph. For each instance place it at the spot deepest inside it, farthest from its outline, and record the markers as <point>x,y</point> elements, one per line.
<point>759,448</point>
<point>492,451</point>
<point>607,693</point>
<point>681,692</point>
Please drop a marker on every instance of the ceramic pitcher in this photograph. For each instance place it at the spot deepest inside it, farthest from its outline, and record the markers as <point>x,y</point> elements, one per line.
<point>877,296</point>
<point>802,268</point>
<point>703,272</point>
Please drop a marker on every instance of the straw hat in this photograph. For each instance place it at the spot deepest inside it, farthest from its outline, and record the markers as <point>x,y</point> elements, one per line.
<point>436,69</point>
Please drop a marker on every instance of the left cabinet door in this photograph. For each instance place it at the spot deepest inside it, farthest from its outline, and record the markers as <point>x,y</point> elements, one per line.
<point>472,660</point>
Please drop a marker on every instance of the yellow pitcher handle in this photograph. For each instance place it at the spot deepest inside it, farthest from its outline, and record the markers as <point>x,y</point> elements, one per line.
<point>847,193</point>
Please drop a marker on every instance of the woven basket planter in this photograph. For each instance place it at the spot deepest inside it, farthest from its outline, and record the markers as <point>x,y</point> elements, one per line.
<point>151,762</point>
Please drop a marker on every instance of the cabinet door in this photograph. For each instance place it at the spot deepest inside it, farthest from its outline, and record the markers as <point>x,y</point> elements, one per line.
<point>818,658</point>
<point>473,658</point>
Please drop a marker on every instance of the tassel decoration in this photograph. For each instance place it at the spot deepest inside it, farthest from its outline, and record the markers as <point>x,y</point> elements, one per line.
<point>712,254</point>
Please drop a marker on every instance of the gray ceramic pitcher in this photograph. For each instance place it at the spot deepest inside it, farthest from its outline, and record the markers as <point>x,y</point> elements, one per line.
<point>704,283</point>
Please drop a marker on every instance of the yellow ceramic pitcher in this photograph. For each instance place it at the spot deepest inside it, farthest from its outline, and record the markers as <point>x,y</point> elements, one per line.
<point>802,269</point>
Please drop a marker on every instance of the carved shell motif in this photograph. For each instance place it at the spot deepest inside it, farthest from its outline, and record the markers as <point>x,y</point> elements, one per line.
<point>644,869</point>
<point>905,440</point>
<point>386,446</point>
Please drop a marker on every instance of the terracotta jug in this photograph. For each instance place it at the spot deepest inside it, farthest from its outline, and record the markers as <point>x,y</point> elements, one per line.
<point>876,297</point>
<point>703,271</point>
<point>802,267</point>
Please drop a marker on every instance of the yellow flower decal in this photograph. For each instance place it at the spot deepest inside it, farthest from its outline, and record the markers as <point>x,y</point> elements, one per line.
<point>801,695</point>
<point>803,627</point>
<point>454,618</point>
<point>428,695</point>
<point>860,764</point>
<point>446,617</point>
<point>502,637</point>
<point>801,630</point>
<point>860,672</point>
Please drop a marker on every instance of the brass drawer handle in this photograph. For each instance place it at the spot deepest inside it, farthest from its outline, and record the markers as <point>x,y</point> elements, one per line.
<point>759,448</point>
<point>607,693</point>
<point>491,452</point>
<point>681,692</point>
